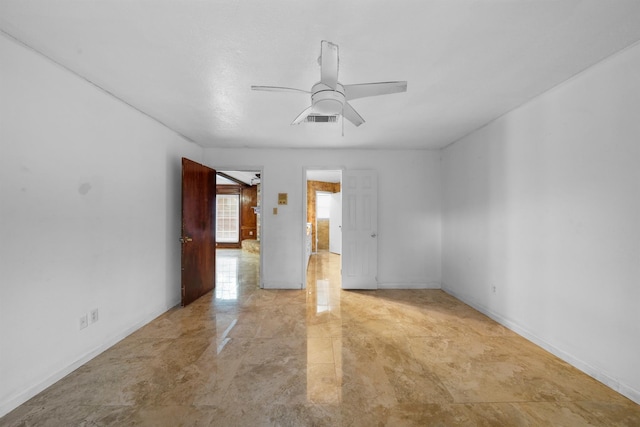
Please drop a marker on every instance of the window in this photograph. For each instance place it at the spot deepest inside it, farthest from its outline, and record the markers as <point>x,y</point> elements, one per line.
<point>323,205</point>
<point>227,218</point>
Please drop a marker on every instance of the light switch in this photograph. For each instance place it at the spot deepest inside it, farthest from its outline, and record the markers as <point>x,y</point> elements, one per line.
<point>275,211</point>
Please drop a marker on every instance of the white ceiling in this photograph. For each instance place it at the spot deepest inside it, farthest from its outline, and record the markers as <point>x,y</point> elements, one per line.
<point>190,64</point>
<point>248,177</point>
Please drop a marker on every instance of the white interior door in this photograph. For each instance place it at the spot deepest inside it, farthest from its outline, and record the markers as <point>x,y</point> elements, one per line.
<point>335,224</point>
<point>359,229</point>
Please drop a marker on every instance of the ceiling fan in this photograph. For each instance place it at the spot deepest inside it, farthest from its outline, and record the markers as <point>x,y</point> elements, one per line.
<point>329,98</point>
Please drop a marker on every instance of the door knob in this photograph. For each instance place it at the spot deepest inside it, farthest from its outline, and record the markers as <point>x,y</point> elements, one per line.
<point>185,239</point>
<point>373,234</point>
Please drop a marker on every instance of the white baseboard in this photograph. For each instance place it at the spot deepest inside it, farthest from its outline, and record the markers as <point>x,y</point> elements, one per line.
<point>409,285</point>
<point>588,369</point>
<point>282,285</point>
<point>15,401</point>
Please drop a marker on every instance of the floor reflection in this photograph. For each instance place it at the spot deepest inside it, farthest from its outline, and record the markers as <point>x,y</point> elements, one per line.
<point>226,276</point>
<point>322,296</point>
<point>245,356</point>
<point>323,310</point>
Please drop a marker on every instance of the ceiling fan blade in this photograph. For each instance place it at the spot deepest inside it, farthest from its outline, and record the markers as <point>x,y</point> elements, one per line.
<point>302,116</point>
<point>373,89</point>
<point>278,89</point>
<point>352,115</point>
<point>329,64</point>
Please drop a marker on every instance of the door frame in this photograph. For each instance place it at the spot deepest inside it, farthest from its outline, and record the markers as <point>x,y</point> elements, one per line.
<point>259,169</point>
<point>335,224</point>
<point>303,258</point>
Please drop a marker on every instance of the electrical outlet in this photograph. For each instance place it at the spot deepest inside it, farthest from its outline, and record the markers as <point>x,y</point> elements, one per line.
<point>94,315</point>
<point>84,322</point>
<point>493,289</point>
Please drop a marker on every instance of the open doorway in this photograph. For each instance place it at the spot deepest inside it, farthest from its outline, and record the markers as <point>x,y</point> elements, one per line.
<point>323,214</point>
<point>238,229</point>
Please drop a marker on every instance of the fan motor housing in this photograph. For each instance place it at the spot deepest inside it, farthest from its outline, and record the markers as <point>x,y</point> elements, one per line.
<point>326,100</point>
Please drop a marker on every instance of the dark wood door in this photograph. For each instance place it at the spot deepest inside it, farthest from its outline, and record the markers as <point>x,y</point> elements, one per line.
<point>198,230</point>
<point>248,217</point>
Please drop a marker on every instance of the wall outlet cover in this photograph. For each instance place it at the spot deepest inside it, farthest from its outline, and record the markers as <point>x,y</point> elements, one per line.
<point>84,322</point>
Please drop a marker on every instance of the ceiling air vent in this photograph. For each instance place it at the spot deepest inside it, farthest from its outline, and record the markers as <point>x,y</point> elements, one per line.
<point>321,119</point>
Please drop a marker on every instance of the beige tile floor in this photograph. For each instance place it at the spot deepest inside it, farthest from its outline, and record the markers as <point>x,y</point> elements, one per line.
<point>242,356</point>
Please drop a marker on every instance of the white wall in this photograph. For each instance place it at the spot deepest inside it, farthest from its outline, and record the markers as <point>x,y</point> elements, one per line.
<point>89,218</point>
<point>544,204</point>
<point>408,209</point>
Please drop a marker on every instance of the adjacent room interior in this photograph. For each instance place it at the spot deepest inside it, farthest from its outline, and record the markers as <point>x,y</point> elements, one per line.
<point>237,231</point>
<point>323,231</point>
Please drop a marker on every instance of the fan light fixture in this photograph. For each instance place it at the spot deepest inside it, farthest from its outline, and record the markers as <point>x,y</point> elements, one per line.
<point>329,97</point>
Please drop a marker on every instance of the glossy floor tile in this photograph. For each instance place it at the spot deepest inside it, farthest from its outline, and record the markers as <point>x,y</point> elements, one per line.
<point>241,356</point>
